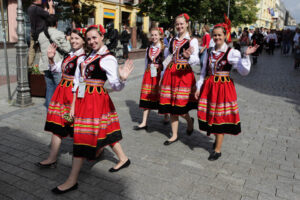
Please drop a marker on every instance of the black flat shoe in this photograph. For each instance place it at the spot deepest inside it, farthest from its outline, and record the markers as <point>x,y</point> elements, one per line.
<point>137,128</point>
<point>167,142</point>
<point>58,191</point>
<point>51,165</point>
<point>126,164</point>
<point>189,132</point>
<point>214,156</point>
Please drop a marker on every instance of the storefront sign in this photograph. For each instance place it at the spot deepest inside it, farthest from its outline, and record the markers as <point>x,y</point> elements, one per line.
<point>110,14</point>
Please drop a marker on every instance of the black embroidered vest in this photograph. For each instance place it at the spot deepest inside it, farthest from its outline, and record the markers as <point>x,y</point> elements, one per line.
<point>69,66</point>
<point>221,64</point>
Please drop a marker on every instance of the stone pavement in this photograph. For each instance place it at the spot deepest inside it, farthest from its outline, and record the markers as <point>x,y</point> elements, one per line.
<point>262,163</point>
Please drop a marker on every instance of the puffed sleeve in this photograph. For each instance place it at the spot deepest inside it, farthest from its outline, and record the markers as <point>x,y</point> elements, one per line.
<point>194,58</point>
<point>77,74</point>
<point>110,65</point>
<point>202,73</point>
<point>56,67</point>
<point>242,65</point>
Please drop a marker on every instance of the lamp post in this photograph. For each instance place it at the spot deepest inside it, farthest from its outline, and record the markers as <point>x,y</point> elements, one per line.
<point>23,90</point>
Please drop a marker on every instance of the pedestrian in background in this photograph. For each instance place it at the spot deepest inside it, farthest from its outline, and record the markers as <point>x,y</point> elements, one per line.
<point>96,122</point>
<point>124,39</point>
<point>205,42</point>
<point>271,41</point>
<point>37,16</point>
<point>217,109</point>
<point>178,80</point>
<point>257,39</point>
<point>244,41</point>
<point>61,101</point>
<point>49,36</point>
<point>150,86</point>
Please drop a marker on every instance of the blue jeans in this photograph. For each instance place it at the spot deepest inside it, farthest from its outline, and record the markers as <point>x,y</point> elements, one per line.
<point>286,47</point>
<point>52,80</point>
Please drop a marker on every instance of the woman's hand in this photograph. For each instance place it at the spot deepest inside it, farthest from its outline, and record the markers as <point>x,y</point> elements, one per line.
<point>197,94</point>
<point>51,51</point>
<point>72,111</point>
<point>251,49</point>
<point>125,70</point>
<point>187,53</point>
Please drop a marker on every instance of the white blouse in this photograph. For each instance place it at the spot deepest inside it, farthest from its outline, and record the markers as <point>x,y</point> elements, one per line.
<point>242,65</point>
<point>110,65</point>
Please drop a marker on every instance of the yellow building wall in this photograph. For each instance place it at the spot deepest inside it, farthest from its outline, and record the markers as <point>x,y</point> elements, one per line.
<point>99,13</point>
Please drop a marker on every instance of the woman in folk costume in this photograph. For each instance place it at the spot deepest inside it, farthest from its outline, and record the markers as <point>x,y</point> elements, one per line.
<point>61,101</point>
<point>178,81</point>
<point>217,109</point>
<point>150,86</point>
<point>96,122</point>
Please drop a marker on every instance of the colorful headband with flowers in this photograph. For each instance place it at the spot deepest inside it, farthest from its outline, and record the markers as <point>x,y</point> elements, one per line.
<point>225,26</point>
<point>99,27</point>
<point>81,31</point>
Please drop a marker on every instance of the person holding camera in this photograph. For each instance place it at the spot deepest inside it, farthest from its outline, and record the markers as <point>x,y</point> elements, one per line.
<point>37,16</point>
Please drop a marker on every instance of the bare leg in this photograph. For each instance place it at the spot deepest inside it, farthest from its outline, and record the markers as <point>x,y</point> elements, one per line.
<point>55,144</point>
<point>121,155</point>
<point>174,124</point>
<point>73,177</point>
<point>189,121</point>
<point>219,141</point>
<point>145,117</point>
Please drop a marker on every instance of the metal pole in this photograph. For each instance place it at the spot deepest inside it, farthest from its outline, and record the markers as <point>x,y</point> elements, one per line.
<point>5,52</point>
<point>228,8</point>
<point>23,90</point>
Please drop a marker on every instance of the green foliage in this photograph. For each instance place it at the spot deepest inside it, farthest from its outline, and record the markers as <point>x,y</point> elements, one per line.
<point>203,11</point>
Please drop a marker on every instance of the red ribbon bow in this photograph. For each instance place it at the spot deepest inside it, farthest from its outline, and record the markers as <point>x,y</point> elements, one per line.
<point>161,30</point>
<point>186,16</point>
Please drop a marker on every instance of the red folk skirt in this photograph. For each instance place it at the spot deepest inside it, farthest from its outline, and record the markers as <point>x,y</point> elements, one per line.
<point>150,90</point>
<point>60,104</point>
<point>96,122</point>
<point>218,111</point>
<point>177,90</point>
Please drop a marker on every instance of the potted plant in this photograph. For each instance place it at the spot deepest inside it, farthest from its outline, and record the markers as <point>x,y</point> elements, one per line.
<point>37,82</point>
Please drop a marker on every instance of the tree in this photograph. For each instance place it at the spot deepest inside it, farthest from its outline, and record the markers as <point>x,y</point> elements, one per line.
<point>203,11</point>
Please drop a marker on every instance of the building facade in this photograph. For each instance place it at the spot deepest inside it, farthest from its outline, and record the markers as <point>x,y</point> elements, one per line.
<point>266,13</point>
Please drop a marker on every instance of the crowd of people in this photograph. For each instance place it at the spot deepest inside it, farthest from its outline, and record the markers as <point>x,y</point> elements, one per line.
<point>76,68</point>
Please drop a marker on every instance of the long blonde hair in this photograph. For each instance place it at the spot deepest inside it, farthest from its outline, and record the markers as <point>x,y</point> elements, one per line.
<point>188,29</point>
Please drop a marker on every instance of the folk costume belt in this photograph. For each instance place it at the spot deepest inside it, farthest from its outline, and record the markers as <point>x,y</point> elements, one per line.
<point>220,76</point>
<point>92,84</point>
<point>67,79</point>
<point>181,66</point>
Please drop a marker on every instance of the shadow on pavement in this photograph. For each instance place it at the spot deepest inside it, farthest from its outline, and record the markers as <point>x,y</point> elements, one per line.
<point>19,150</point>
<point>155,124</point>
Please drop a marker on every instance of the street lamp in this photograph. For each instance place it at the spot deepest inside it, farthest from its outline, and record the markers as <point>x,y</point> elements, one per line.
<point>23,90</point>
<point>228,8</point>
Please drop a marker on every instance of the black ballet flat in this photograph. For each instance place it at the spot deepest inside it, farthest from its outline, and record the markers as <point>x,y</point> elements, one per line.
<point>189,132</point>
<point>50,166</point>
<point>167,142</point>
<point>126,164</point>
<point>137,128</point>
<point>214,156</point>
<point>58,191</point>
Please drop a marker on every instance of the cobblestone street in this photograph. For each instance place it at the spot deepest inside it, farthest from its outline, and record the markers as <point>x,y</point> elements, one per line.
<point>263,162</point>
